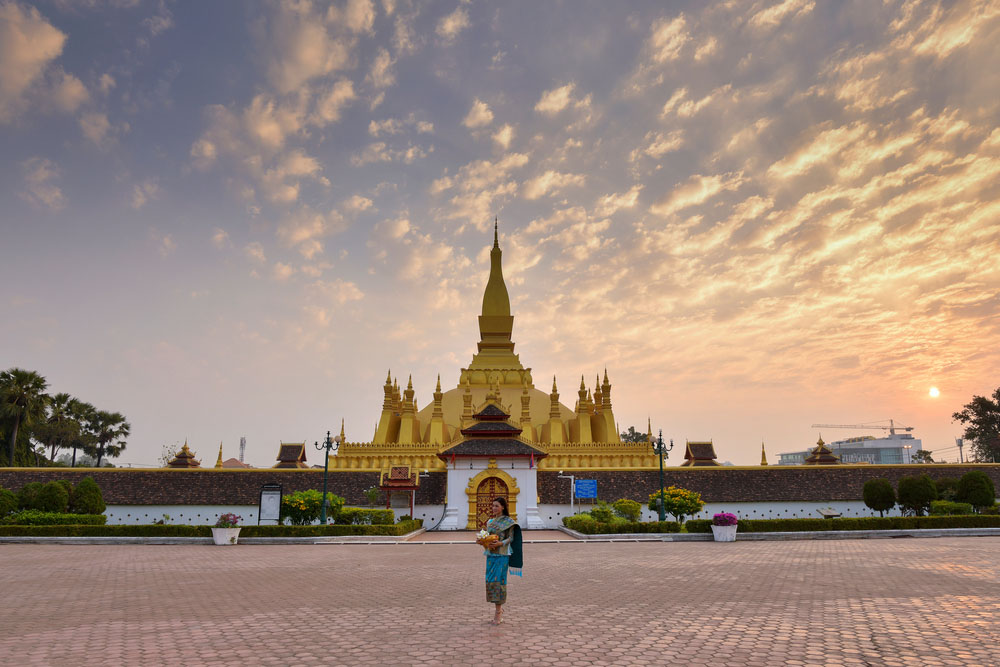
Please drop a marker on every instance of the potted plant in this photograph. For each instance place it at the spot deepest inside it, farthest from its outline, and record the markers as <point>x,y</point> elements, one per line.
<point>227,529</point>
<point>724,527</point>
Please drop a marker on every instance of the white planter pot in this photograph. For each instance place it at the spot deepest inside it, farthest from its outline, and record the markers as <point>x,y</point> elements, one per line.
<point>724,533</point>
<point>225,535</point>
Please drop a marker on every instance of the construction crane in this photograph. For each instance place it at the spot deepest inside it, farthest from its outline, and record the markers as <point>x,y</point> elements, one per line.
<point>891,427</point>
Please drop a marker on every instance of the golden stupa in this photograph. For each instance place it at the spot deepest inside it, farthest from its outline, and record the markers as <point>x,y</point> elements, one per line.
<point>581,438</point>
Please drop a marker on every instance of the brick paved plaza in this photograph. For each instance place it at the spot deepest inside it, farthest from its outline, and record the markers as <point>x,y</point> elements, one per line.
<point>876,602</point>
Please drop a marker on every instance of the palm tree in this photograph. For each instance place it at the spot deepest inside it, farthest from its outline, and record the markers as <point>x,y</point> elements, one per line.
<point>22,399</point>
<point>82,414</point>
<point>110,430</point>
<point>59,427</point>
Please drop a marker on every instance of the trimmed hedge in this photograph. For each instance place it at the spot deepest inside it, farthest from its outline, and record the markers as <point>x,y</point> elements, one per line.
<point>39,518</point>
<point>862,523</point>
<point>586,524</point>
<point>947,507</point>
<point>8,502</point>
<point>156,530</point>
<point>359,516</point>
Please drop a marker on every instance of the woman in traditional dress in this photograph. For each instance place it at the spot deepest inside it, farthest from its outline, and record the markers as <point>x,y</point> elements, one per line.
<point>501,556</point>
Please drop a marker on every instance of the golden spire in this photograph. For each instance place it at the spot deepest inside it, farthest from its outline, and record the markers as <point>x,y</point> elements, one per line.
<point>218,462</point>
<point>649,430</point>
<point>763,455</point>
<point>343,438</point>
<point>496,302</point>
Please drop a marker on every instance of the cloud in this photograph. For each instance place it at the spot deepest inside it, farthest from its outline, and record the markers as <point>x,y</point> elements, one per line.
<point>331,102</point>
<point>479,115</point>
<point>612,203</point>
<point>164,243</point>
<point>28,46</point>
<point>358,203</point>
<point>359,15</point>
<point>504,136</point>
<point>220,238</point>
<point>39,176</point>
<point>143,192</point>
<point>667,39</point>
<point>391,126</point>
<point>555,100</point>
<point>452,24</point>
<point>339,292</point>
<point>380,151</point>
<point>774,15</point>
<point>381,74</point>
<point>697,190</point>
<point>281,272</point>
<point>550,182</point>
<point>301,46</point>
<point>477,187</point>
<point>97,128</point>
<point>255,252</point>
<point>305,225</point>
<point>160,22</point>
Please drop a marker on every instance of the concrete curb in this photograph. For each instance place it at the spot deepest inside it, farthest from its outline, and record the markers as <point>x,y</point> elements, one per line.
<point>788,535</point>
<point>344,539</point>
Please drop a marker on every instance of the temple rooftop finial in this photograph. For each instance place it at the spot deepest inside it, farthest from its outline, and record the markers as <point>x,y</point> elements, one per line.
<point>496,232</point>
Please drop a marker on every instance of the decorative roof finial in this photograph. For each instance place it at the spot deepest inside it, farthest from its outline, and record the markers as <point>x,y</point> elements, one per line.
<point>496,226</point>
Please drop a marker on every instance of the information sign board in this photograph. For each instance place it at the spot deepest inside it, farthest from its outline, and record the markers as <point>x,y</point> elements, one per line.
<point>586,488</point>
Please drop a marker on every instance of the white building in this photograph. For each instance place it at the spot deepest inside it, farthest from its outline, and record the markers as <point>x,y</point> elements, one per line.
<point>892,448</point>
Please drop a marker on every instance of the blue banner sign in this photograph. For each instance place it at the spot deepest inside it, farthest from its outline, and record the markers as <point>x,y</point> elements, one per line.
<point>586,488</point>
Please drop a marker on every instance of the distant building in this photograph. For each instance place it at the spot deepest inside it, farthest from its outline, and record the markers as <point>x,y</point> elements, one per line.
<point>894,448</point>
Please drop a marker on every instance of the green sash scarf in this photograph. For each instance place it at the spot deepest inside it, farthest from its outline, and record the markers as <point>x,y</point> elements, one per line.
<point>499,525</point>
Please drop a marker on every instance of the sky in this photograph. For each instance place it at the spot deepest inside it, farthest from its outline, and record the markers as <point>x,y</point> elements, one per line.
<point>231,219</point>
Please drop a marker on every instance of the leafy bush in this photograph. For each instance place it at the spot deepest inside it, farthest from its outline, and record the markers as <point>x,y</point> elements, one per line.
<point>677,502</point>
<point>601,512</point>
<point>87,498</point>
<point>52,497</point>
<point>916,493</point>
<point>357,516</point>
<point>976,488</point>
<point>8,502</point>
<point>991,510</point>
<point>586,524</point>
<point>68,485</point>
<point>879,495</point>
<point>627,509</point>
<point>303,507</point>
<point>947,507</point>
<point>947,487</point>
<point>702,525</point>
<point>40,518</point>
<point>178,530</point>
<point>26,496</point>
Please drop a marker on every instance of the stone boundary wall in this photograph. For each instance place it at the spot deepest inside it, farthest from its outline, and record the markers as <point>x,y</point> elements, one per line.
<point>129,486</point>
<point>752,484</point>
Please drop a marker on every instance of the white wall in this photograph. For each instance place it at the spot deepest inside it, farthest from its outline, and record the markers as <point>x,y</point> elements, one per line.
<point>192,515</point>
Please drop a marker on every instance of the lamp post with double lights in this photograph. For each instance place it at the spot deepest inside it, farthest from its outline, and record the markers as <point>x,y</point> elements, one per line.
<point>907,448</point>
<point>328,445</point>
<point>662,450</point>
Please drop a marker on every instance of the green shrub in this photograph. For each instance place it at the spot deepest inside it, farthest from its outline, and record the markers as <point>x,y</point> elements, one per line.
<point>704,525</point>
<point>879,495</point>
<point>916,494</point>
<point>68,485</point>
<point>627,509</point>
<point>601,512</point>
<point>52,497</point>
<point>26,496</point>
<point>8,502</point>
<point>586,524</point>
<point>178,530</point>
<point>40,518</point>
<point>303,507</point>
<point>976,488</point>
<point>358,516</point>
<point>947,488</point>
<point>677,502</point>
<point>87,498</point>
<point>990,510</point>
<point>947,507</point>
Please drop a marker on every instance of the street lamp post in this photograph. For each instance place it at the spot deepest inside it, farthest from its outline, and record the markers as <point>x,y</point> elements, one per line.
<point>572,489</point>
<point>660,449</point>
<point>907,448</point>
<point>328,444</point>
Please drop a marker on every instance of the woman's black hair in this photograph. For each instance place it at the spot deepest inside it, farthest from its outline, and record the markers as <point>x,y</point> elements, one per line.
<point>503,504</point>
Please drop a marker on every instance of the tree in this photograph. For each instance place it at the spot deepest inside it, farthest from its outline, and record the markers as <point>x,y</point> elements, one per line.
<point>87,498</point>
<point>678,502</point>
<point>879,495</point>
<point>627,509</point>
<point>52,497</point>
<point>981,418</point>
<point>976,488</point>
<point>22,403</point>
<point>922,456</point>
<point>947,487</point>
<point>59,427</point>
<point>632,435</point>
<point>110,429</point>
<point>81,413</point>
<point>916,493</point>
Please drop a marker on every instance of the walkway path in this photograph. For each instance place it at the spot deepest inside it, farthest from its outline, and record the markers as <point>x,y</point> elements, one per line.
<point>856,602</point>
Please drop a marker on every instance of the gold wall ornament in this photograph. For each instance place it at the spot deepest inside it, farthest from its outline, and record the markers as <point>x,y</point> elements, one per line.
<point>473,491</point>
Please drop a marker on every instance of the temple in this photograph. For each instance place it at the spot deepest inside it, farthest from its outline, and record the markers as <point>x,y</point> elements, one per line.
<point>494,429</point>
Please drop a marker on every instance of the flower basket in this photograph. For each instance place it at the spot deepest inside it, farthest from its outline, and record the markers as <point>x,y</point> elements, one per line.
<point>486,539</point>
<point>227,529</point>
<point>724,527</point>
<point>223,536</point>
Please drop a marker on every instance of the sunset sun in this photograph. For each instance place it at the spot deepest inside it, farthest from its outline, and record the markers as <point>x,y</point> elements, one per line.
<point>934,392</point>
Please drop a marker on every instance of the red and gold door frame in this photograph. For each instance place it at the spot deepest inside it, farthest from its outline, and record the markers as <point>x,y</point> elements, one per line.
<point>483,489</point>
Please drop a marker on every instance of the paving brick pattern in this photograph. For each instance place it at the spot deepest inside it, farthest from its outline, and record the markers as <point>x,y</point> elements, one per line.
<point>852,602</point>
